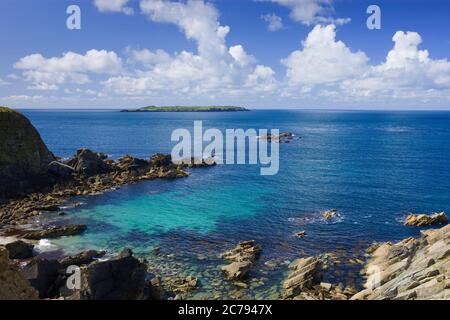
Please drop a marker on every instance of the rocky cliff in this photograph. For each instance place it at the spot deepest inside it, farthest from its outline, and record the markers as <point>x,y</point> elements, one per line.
<point>12,285</point>
<point>24,158</point>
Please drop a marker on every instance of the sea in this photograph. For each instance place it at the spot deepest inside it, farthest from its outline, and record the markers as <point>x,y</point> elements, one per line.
<point>374,167</point>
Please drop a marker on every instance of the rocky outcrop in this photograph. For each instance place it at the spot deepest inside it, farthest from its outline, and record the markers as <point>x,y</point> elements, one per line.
<point>285,137</point>
<point>330,214</point>
<point>410,269</point>
<point>19,250</point>
<point>306,272</point>
<point>24,157</point>
<point>12,284</point>
<point>44,276</point>
<point>82,258</point>
<point>88,163</point>
<point>120,278</point>
<point>55,232</point>
<point>420,220</point>
<point>61,170</point>
<point>242,258</point>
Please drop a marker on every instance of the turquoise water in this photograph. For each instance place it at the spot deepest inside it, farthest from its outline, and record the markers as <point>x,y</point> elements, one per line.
<point>374,167</point>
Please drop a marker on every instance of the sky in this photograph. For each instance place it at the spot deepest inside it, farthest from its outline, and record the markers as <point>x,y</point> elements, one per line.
<point>306,54</point>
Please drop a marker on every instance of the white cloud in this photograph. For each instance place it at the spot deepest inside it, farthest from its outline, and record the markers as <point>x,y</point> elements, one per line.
<point>274,22</point>
<point>310,12</point>
<point>47,74</point>
<point>407,72</point>
<point>240,56</point>
<point>262,79</point>
<point>114,6</point>
<point>3,82</point>
<point>323,59</point>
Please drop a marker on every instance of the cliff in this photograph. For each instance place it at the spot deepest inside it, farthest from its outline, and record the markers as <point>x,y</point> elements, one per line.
<point>24,158</point>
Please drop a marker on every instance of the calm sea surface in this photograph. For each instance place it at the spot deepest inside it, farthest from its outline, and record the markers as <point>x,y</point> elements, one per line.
<point>374,167</point>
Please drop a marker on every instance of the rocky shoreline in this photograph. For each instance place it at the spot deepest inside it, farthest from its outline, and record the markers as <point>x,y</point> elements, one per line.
<point>410,269</point>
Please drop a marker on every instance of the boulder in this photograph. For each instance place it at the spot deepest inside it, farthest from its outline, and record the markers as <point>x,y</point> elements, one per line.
<point>19,250</point>
<point>330,214</point>
<point>88,163</point>
<point>55,232</point>
<point>120,278</point>
<point>420,220</point>
<point>43,276</point>
<point>306,273</point>
<point>242,258</point>
<point>83,258</point>
<point>24,157</point>
<point>129,163</point>
<point>60,170</point>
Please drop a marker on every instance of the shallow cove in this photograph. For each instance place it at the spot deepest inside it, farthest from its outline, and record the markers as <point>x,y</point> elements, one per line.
<point>374,167</point>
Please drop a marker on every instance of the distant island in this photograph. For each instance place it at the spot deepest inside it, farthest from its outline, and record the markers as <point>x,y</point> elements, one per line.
<point>188,109</point>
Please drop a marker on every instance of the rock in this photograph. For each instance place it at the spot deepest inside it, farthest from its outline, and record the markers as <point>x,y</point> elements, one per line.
<point>198,163</point>
<point>43,275</point>
<point>13,286</point>
<point>403,270</point>
<point>300,234</point>
<point>421,220</point>
<point>285,137</point>
<point>237,270</point>
<point>19,250</point>
<point>120,278</point>
<point>82,258</point>
<point>60,170</point>
<point>304,275</point>
<point>88,163</point>
<point>55,232</point>
<point>23,157</point>
<point>330,214</point>
<point>131,164</point>
<point>161,160</point>
<point>243,256</point>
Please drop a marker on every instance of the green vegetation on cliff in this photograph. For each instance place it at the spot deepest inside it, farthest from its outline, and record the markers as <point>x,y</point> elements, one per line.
<point>188,109</point>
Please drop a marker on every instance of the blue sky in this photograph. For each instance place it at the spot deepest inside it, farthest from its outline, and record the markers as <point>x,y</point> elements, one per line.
<point>315,54</point>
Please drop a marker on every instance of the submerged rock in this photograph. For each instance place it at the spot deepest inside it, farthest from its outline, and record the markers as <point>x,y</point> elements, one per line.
<point>19,250</point>
<point>13,286</point>
<point>420,220</point>
<point>55,232</point>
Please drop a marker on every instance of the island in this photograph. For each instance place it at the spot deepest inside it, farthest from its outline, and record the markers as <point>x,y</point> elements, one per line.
<point>188,109</point>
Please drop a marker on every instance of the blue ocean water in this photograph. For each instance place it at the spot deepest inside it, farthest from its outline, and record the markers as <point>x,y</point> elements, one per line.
<point>374,167</point>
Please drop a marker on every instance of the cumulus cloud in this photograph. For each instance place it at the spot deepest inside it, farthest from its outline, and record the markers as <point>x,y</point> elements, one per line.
<point>114,6</point>
<point>323,59</point>
<point>406,72</point>
<point>48,73</point>
<point>310,12</point>
<point>274,22</point>
<point>213,68</point>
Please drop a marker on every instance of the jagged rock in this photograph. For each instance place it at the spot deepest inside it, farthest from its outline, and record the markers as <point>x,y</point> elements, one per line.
<point>83,258</point>
<point>198,163</point>
<point>330,214</point>
<point>55,232</point>
<point>60,170</point>
<point>285,137</point>
<point>304,275</point>
<point>19,250</point>
<point>161,160</point>
<point>420,220</point>
<point>243,256</point>
<point>300,234</point>
<point>43,275</point>
<point>410,269</point>
<point>131,164</point>
<point>120,278</point>
<point>12,284</point>
<point>89,163</point>
<point>23,156</point>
